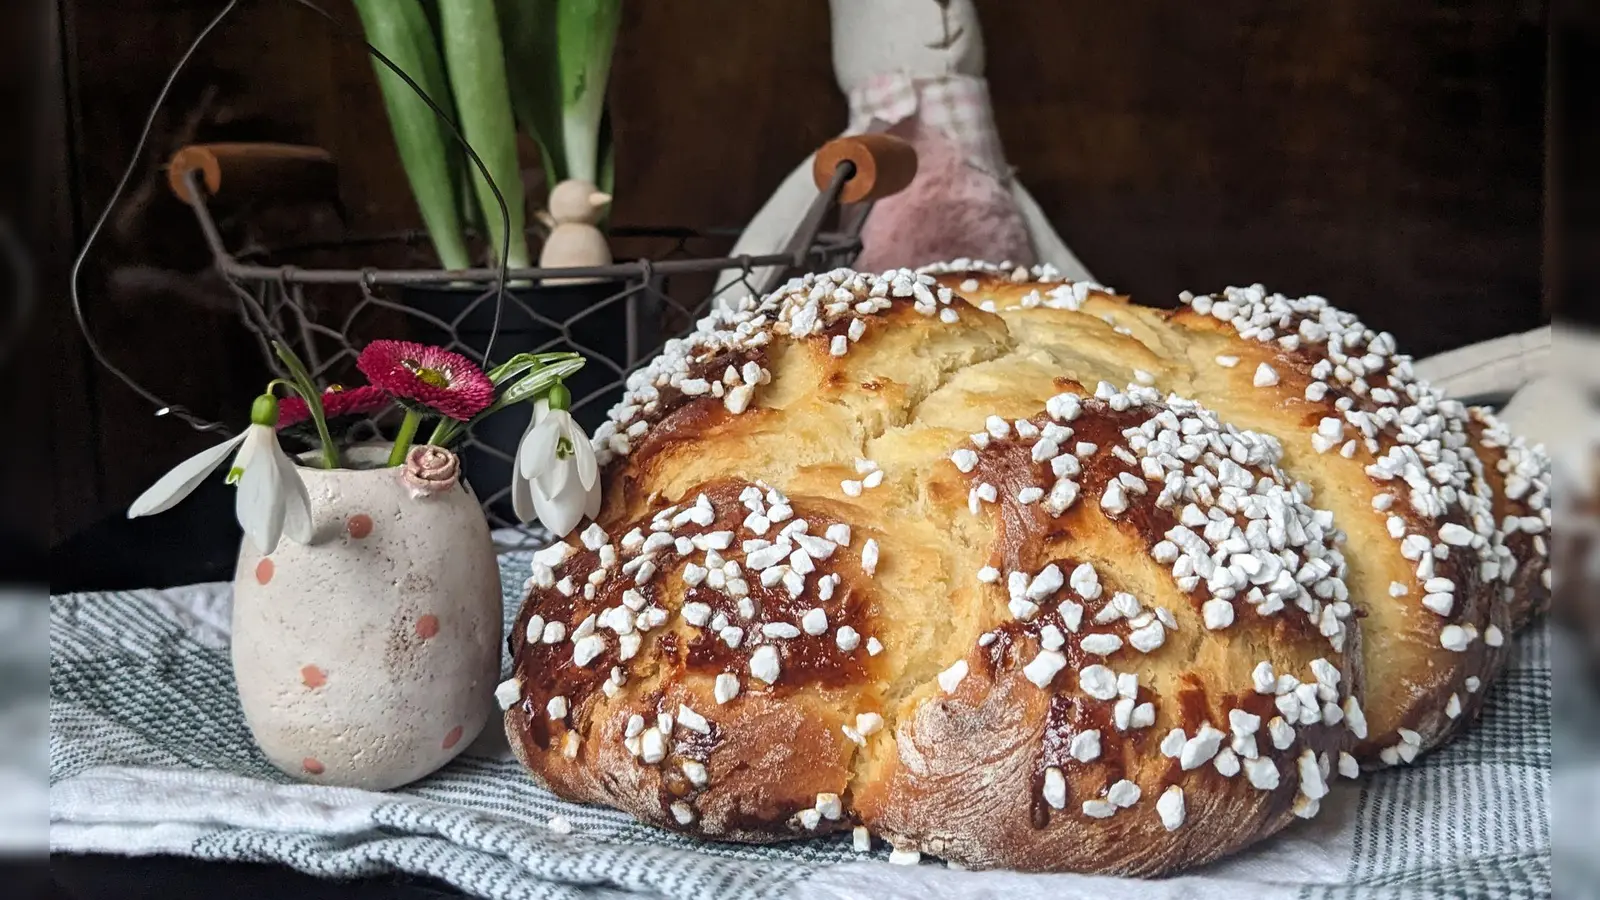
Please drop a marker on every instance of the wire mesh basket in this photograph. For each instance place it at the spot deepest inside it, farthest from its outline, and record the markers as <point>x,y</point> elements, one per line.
<point>618,316</point>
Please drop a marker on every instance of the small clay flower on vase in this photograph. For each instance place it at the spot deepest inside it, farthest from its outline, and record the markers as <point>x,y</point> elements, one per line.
<point>366,601</point>
<point>575,239</point>
<point>430,470</point>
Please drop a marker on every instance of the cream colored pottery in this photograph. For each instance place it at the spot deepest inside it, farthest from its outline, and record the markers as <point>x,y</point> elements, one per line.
<point>575,208</point>
<point>368,658</point>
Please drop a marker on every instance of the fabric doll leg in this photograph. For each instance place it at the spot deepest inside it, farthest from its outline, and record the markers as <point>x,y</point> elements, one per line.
<point>1047,244</point>
<point>1497,366</point>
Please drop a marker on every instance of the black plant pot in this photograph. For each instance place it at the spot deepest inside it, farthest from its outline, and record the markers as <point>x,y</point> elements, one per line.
<point>589,318</point>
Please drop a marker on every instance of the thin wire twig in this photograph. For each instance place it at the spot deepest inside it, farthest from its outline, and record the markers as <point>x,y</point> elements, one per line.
<point>350,34</point>
<point>262,292</point>
<point>75,278</point>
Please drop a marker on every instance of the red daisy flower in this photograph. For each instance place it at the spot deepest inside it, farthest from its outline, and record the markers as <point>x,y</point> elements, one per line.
<point>336,402</point>
<point>432,378</point>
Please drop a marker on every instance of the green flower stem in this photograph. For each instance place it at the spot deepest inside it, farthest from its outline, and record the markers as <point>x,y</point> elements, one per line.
<point>308,392</point>
<point>264,411</point>
<point>442,432</point>
<point>330,450</point>
<point>448,429</point>
<point>402,441</point>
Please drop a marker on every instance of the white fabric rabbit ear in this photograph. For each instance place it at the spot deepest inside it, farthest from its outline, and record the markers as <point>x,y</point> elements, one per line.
<point>768,232</point>
<point>171,488</point>
<point>1557,409</point>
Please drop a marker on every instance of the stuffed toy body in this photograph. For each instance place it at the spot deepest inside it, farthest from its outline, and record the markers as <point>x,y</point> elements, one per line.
<point>915,69</point>
<point>959,205</point>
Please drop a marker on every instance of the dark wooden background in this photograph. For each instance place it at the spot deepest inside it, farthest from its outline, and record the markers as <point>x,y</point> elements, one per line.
<point>1385,153</point>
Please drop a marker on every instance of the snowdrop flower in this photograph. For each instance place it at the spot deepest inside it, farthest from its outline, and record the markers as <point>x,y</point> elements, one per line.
<point>272,499</point>
<point>556,477</point>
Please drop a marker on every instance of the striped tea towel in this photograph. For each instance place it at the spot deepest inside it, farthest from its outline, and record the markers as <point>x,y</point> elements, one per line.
<point>149,754</point>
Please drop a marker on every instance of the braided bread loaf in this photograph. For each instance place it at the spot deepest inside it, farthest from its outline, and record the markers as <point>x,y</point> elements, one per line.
<point>898,554</point>
<point>1412,478</point>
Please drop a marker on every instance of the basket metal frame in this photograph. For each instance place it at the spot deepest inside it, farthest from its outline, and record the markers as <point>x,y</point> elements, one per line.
<point>274,307</point>
<point>808,242</point>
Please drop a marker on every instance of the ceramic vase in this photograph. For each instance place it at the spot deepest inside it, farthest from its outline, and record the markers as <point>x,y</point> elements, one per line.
<point>368,657</point>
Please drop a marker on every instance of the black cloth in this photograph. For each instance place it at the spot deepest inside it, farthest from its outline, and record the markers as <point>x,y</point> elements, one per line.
<point>173,878</point>
<point>195,541</point>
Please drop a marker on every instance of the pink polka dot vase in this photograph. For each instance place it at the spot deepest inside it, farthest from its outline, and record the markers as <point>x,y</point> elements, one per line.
<point>368,657</point>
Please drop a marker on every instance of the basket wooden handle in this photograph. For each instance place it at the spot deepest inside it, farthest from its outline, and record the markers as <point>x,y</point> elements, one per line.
<point>278,172</point>
<point>884,165</point>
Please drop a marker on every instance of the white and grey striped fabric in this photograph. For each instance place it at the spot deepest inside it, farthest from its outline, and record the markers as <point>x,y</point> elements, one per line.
<point>149,754</point>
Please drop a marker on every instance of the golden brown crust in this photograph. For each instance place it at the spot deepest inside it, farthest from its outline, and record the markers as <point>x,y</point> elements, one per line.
<point>969,765</point>
<point>1411,676</point>
<point>967,761</point>
<point>674,664</point>
<point>1394,461</point>
<point>1519,478</point>
<point>998,547</point>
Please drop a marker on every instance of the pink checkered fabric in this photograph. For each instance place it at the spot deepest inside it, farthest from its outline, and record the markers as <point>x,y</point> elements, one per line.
<point>958,105</point>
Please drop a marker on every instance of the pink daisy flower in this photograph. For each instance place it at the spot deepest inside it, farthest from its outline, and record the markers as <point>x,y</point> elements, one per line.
<point>429,379</point>
<point>336,402</point>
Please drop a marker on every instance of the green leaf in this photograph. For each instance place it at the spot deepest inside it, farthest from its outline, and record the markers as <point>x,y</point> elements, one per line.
<point>466,202</point>
<point>476,64</point>
<point>608,165</point>
<point>537,383</point>
<point>528,32</point>
<point>587,34</point>
<point>401,31</point>
<point>522,362</point>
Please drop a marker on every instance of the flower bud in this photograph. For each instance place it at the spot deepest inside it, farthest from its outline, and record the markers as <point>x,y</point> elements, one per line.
<point>264,411</point>
<point>558,396</point>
